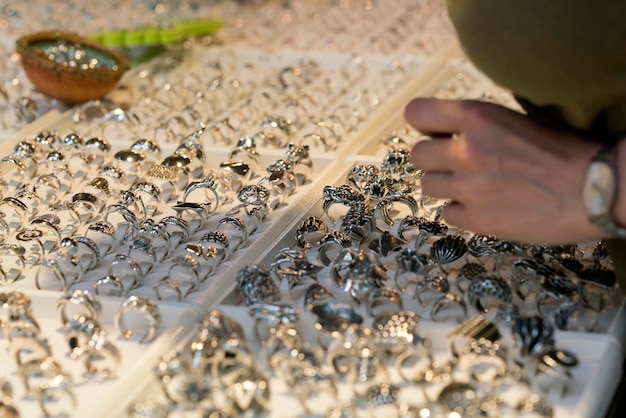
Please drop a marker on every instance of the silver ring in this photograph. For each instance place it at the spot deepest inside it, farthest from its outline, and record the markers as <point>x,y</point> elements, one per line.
<point>194,214</point>
<point>169,179</point>
<point>300,159</point>
<point>12,262</point>
<point>78,303</point>
<point>103,234</point>
<point>494,288</point>
<point>170,289</point>
<point>330,245</point>
<point>445,302</point>
<point>110,285</point>
<point>127,269</point>
<point>310,231</point>
<point>533,335</point>
<point>29,345</point>
<point>146,319</point>
<point>177,228</point>
<point>572,316</point>
<point>343,195</point>
<point>101,358</point>
<point>553,372</point>
<point>158,236</point>
<point>185,269</point>
<point>153,193</point>
<point>100,188</point>
<point>115,174</point>
<point>357,274</point>
<point>385,206</point>
<point>142,251</point>
<point>217,240</point>
<point>86,206</point>
<point>360,175</point>
<point>127,225</point>
<point>256,286</point>
<point>269,316</point>
<point>412,267</point>
<point>236,230</point>
<point>448,249</point>
<point>208,183</point>
<point>383,301</point>
<point>52,391</point>
<point>80,330</point>
<point>92,253</point>
<point>21,322</point>
<point>37,372</point>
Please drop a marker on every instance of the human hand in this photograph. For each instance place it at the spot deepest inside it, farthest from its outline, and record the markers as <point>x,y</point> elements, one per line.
<point>504,173</point>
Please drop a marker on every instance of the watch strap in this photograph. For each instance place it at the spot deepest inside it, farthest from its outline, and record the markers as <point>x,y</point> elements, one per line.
<point>605,222</point>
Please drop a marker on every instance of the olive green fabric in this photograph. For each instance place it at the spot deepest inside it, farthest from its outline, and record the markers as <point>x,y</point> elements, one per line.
<point>564,59</point>
<point>566,56</point>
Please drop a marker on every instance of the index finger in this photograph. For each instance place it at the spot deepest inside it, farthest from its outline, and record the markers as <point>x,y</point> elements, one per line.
<point>434,116</point>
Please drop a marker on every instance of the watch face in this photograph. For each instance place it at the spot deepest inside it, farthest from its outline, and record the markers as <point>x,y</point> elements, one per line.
<point>599,189</point>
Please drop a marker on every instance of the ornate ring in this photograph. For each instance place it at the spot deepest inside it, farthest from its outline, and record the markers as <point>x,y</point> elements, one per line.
<point>330,245</point>
<point>123,220</point>
<point>412,267</point>
<point>158,236</point>
<point>269,316</point>
<point>87,253</point>
<point>216,241</point>
<point>169,179</point>
<point>235,229</point>
<point>387,207</point>
<point>357,274</point>
<point>395,332</point>
<point>533,335</point>
<point>299,157</point>
<point>310,231</point>
<point>256,286</point>
<point>153,196</point>
<point>494,288</point>
<point>343,195</point>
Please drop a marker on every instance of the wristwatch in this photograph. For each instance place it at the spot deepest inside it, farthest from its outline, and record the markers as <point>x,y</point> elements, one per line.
<point>599,191</point>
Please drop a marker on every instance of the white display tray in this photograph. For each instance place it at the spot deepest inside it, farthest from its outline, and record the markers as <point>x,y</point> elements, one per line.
<point>594,379</point>
<point>94,398</point>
